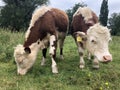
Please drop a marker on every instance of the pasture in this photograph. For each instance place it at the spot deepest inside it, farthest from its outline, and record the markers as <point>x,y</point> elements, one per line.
<point>70,76</point>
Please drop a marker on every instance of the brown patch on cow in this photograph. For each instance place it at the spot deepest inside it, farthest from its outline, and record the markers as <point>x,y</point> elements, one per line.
<point>79,24</point>
<point>61,20</point>
<point>51,21</point>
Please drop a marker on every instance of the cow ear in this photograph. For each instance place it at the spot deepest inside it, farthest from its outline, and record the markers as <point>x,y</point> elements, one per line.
<point>27,50</point>
<point>80,36</point>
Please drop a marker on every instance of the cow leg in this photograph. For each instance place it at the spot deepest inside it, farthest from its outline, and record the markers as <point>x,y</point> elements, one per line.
<point>88,55</point>
<point>82,62</point>
<point>81,53</point>
<point>95,63</point>
<point>44,51</point>
<point>52,52</point>
<point>61,42</point>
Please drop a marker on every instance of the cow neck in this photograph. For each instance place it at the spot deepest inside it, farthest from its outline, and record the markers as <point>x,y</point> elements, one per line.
<point>33,36</point>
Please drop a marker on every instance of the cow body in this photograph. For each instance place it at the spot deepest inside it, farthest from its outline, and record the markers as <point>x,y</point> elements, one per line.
<point>89,34</point>
<point>47,26</point>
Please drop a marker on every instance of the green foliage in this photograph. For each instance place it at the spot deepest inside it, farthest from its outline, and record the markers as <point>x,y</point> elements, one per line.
<point>70,76</point>
<point>114,23</point>
<point>104,13</point>
<point>8,41</point>
<point>16,14</point>
<point>71,11</point>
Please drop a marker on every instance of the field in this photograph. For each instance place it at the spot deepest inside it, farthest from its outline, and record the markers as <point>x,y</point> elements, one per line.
<point>70,76</point>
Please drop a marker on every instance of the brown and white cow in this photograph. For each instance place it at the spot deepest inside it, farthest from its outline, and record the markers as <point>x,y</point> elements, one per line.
<point>89,34</point>
<point>48,25</point>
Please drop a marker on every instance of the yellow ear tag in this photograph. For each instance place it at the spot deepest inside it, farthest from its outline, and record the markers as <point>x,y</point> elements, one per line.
<point>79,39</point>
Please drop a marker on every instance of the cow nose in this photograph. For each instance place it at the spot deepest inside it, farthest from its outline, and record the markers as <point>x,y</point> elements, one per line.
<point>107,58</point>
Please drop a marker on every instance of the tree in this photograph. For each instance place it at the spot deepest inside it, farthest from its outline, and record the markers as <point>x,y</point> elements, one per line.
<point>114,23</point>
<point>71,11</point>
<point>103,17</point>
<point>16,14</point>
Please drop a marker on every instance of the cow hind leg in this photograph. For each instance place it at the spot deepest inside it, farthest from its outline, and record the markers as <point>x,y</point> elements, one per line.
<point>82,62</point>
<point>44,51</point>
<point>52,52</point>
<point>61,42</point>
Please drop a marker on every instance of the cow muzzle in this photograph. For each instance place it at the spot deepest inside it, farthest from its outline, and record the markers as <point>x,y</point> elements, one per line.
<point>21,72</point>
<point>107,58</point>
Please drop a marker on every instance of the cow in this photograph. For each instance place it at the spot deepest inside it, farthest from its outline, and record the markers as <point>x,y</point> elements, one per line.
<point>47,27</point>
<point>90,35</point>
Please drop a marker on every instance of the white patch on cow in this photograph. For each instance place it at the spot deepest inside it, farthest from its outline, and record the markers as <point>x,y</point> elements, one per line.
<point>85,12</point>
<point>52,48</point>
<point>44,43</point>
<point>54,66</point>
<point>98,38</point>
<point>52,39</point>
<point>39,12</point>
<point>27,33</point>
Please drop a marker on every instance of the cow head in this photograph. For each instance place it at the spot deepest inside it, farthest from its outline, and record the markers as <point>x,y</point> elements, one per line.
<point>98,38</point>
<point>97,41</point>
<point>24,58</point>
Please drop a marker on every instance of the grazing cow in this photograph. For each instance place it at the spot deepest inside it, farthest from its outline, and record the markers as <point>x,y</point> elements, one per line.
<point>89,34</point>
<point>47,26</point>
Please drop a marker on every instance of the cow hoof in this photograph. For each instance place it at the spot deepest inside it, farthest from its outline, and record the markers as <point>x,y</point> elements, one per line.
<point>61,57</point>
<point>89,58</point>
<point>42,64</point>
<point>95,66</point>
<point>54,70</point>
<point>81,66</point>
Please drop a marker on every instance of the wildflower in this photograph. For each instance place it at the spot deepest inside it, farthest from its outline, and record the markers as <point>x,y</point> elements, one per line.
<point>89,75</point>
<point>106,84</point>
<point>101,88</point>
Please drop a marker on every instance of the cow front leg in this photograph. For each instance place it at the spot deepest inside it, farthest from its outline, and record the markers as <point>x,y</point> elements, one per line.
<point>88,55</point>
<point>44,51</point>
<point>82,62</point>
<point>52,52</point>
<point>95,63</point>
<point>81,53</point>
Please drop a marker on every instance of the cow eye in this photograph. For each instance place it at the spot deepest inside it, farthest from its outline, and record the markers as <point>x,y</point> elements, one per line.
<point>93,41</point>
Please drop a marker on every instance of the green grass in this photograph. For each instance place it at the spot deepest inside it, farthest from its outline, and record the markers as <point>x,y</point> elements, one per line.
<point>70,77</point>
